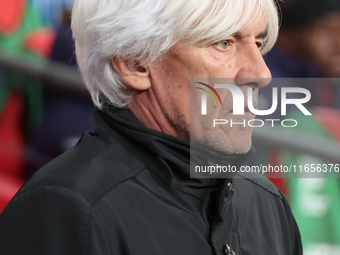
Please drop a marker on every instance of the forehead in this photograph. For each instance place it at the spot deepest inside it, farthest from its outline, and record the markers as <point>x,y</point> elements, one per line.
<point>257,28</point>
<point>332,19</point>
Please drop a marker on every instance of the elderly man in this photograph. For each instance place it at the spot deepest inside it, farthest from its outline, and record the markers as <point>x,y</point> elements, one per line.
<point>125,188</point>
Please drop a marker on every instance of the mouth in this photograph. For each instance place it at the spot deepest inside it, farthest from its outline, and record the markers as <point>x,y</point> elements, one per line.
<point>229,114</point>
<point>230,109</point>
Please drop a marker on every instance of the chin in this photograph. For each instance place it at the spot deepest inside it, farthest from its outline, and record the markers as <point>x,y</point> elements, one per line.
<point>239,143</point>
<point>241,146</point>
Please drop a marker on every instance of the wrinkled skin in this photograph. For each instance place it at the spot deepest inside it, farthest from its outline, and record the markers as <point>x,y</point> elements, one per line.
<point>165,106</point>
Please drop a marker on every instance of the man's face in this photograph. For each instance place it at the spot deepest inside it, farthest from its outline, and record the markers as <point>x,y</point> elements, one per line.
<point>321,44</point>
<point>237,57</point>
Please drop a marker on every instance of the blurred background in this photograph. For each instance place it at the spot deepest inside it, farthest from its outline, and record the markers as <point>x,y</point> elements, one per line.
<point>307,55</point>
<point>44,107</point>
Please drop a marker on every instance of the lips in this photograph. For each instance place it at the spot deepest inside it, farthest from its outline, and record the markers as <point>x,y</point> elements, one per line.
<point>230,109</point>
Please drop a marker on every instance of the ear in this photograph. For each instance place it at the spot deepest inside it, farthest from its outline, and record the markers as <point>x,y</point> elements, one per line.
<point>137,77</point>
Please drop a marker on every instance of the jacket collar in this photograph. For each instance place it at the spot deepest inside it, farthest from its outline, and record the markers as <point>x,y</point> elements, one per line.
<point>168,157</point>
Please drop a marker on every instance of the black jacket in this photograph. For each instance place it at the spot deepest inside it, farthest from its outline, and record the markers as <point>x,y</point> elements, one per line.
<point>125,190</point>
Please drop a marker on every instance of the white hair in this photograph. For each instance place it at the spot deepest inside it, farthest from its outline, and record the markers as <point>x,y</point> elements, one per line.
<point>142,31</point>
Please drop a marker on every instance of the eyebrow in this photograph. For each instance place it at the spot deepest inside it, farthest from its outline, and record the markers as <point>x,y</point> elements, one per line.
<point>262,35</point>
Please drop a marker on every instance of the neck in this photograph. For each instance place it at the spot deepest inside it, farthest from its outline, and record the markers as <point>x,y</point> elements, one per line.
<point>147,108</point>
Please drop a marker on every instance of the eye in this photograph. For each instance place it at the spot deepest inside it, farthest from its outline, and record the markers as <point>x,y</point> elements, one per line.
<point>259,45</point>
<point>224,44</point>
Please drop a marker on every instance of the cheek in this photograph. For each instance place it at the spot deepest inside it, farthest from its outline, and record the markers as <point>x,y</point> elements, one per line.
<point>223,67</point>
<point>322,48</point>
<point>213,64</point>
<point>319,46</point>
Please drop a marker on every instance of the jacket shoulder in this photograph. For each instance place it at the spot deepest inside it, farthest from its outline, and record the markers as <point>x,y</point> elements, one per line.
<point>92,168</point>
<point>266,211</point>
<point>51,220</point>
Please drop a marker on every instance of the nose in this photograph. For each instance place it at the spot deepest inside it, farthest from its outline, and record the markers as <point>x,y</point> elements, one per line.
<point>253,70</point>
